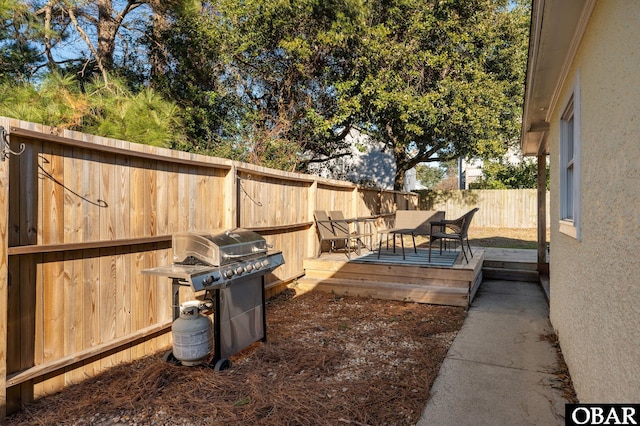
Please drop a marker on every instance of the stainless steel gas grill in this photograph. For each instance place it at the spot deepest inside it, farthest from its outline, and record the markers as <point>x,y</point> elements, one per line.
<point>227,268</point>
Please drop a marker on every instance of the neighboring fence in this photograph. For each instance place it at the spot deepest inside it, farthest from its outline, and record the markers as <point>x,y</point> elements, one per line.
<point>81,216</point>
<point>499,208</point>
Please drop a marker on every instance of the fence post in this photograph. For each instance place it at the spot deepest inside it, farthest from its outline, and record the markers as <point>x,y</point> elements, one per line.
<point>4,284</point>
<point>231,199</point>
<point>354,202</point>
<point>312,204</point>
<point>543,266</point>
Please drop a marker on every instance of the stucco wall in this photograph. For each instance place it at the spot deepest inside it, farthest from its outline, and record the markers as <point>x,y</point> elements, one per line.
<point>595,282</point>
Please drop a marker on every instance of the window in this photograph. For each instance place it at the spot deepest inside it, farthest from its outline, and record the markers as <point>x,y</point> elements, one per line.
<point>570,167</point>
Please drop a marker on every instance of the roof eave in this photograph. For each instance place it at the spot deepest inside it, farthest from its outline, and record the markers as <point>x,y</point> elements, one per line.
<point>556,29</point>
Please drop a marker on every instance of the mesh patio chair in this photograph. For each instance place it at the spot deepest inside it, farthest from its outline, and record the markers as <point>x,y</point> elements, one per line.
<point>333,233</point>
<point>409,222</point>
<point>351,226</point>
<point>458,228</point>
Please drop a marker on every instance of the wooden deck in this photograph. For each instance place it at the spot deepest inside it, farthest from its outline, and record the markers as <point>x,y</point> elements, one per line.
<point>392,277</point>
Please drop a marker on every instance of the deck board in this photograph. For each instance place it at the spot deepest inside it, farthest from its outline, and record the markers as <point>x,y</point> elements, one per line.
<point>446,259</point>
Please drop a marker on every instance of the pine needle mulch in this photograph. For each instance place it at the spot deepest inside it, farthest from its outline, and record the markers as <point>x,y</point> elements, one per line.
<point>328,361</point>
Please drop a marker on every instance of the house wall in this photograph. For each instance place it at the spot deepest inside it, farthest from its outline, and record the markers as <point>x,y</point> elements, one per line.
<point>595,282</point>
<point>368,163</point>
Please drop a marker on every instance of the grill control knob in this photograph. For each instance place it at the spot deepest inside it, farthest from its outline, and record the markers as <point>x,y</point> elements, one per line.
<point>265,263</point>
<point>248,268</point>
<point>228,273</point>
<point>239,270</point>
<point>210,279</point>
<point>257,266</point>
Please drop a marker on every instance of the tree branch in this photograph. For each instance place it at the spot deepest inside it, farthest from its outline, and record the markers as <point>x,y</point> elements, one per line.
<point>87,40</point>
<point>322,160</point>
<point>48,46</point>
<point>131,5</point>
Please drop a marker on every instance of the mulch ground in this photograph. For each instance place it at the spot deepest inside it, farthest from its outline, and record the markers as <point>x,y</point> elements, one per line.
<point>328,361</point>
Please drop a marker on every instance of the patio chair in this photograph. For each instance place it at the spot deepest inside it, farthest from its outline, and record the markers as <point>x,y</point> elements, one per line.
<point>351,226</point>
<point>333,232</point>
<point>409,222</point>
<point>459,232</point>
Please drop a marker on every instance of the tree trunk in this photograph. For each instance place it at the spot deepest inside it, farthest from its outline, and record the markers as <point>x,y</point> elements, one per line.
<point>402,165</point>
<point>157,54</point>
<point>48,16</point>
<point>107,28</point>
<point>398,181</point>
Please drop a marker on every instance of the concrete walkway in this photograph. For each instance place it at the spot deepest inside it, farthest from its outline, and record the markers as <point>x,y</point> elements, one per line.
<point>497,371</point>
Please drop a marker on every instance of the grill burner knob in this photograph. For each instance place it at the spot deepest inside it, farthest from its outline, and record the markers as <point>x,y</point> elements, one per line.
<point>248,268</point>
<point>210,279</point>
<point>265,263</point>
<point>257,266</point>
<point>239,270</point>
<point>228,273</point>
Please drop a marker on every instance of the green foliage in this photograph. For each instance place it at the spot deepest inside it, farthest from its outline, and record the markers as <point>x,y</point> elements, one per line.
<point>281,83</point>
<point>263,75</point>
<point>441,80</point>
<point>110,111</point>
<point>142,117</point>
<point>429,176</point>
<point>57,101</point>
<point>216,120</point>
<point>18,29</point>
<point>433,81</point>
<point>505,175</point>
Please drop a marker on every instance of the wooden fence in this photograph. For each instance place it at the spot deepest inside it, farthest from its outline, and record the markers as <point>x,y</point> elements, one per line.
<point>499,208</point>
<point>81,216</point>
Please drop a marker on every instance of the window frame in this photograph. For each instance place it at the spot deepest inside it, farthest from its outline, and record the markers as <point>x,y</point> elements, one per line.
<point>570,156</point>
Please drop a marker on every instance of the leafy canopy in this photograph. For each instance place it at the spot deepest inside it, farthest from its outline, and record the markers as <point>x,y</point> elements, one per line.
<point>507,175</point>
<point>429,176</point>
<point>278,83</point>
<point>439,80</point>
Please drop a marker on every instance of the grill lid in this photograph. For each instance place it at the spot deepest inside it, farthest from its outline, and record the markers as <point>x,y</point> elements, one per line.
<point>217,248</point>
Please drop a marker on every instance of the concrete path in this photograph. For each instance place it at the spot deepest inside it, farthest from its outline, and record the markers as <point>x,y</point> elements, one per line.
<point>498,370</point>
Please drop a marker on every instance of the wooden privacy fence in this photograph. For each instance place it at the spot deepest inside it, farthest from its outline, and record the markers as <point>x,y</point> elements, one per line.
<point>499,208</point>
<point>81,216</point>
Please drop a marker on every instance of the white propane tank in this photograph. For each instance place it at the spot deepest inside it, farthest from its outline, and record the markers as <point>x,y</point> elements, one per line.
<point>192,334</point>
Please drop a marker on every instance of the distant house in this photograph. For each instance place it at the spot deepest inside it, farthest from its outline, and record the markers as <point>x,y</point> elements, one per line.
<point>582,108</point>
<point>369,165</point>
<point>470,172</point>
<point>411,181</point>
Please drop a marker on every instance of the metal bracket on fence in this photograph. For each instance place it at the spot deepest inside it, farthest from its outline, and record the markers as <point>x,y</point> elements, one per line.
<point>240,179</point>
<point>6,146</point>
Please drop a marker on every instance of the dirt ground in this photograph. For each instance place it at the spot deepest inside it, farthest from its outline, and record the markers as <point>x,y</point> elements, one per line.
<point>516,238</point>
<point>328,361</point>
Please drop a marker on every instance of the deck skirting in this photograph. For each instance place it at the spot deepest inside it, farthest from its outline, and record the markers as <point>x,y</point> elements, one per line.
<point>395,279</point>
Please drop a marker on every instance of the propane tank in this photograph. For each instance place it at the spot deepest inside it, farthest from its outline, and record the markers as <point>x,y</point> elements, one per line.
<point>192,334</point>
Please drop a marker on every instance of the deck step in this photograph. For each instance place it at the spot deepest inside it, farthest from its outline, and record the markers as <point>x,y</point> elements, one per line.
<point>454,296</point>
<point>501,264</point>
<point>508,274</point>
